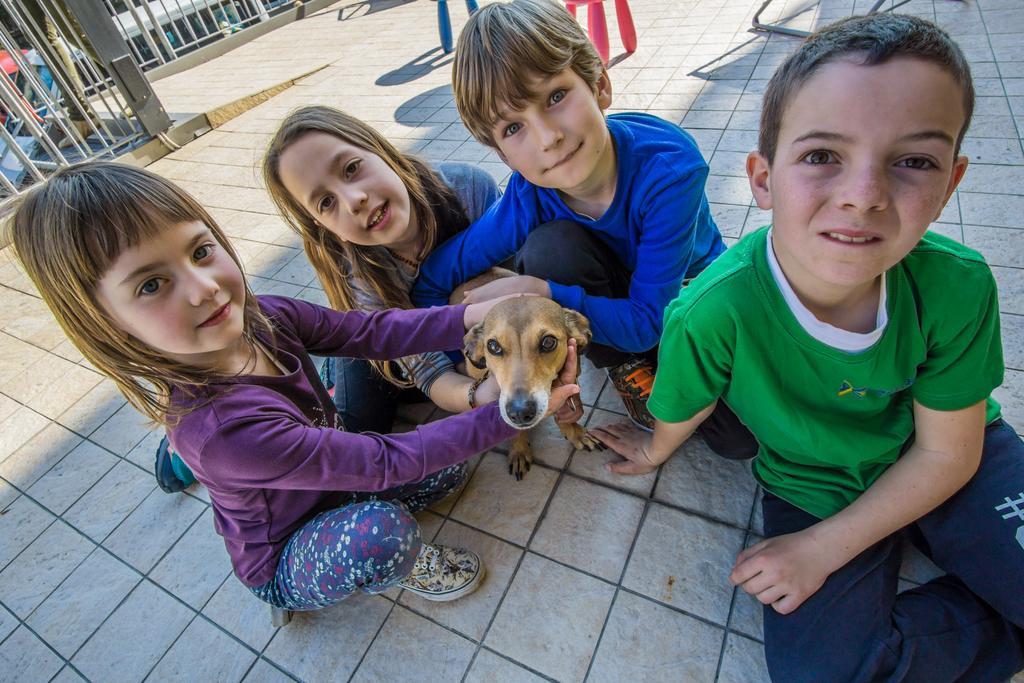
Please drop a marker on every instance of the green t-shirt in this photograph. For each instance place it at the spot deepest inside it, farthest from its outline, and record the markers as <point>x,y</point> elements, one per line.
<point>830,422</point>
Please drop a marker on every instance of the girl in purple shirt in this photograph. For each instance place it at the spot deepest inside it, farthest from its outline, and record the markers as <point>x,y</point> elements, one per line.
<point>146,285</point>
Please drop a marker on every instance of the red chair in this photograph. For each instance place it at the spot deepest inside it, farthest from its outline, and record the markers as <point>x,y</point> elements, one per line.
<point>597,24</point>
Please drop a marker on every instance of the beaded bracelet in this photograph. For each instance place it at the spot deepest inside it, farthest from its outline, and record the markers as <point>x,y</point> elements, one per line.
<point>471,392</point>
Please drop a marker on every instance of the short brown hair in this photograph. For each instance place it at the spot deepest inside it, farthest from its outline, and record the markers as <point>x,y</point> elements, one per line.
<point>69,230</point>
<point>869,40</point>
<point>504,43</point>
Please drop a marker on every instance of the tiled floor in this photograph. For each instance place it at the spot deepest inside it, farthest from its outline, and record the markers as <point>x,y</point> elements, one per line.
<point>104,577</point>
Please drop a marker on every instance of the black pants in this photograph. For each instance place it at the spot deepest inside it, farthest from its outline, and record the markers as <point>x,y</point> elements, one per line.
<point>567,253</point>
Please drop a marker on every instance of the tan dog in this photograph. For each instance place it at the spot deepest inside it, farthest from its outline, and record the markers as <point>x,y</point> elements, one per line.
<point>523,342</point>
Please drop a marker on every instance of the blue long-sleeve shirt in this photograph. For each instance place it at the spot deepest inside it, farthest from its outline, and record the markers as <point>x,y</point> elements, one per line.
<point>659,223</point>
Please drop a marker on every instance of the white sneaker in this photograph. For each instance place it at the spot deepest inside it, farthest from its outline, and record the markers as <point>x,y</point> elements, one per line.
<point>442,573</point>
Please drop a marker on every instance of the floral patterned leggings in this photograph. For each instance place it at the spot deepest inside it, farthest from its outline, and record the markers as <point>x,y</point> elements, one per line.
<point>370,543</point>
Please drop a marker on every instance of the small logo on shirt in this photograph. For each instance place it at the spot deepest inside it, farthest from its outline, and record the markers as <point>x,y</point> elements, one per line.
<point>847,388</point>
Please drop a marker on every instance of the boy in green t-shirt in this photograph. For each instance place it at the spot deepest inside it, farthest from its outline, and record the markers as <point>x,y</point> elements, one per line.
<point>861,352</point>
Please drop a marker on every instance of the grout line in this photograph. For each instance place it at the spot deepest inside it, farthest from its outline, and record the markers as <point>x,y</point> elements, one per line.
<point>999,75</point>
<point>736,589</point>
<point>565,470</point>
<point>517,663</point>
<point>369,646</point>
<point>142,577</point>
<point>519,563</point>
<point>622,573</point>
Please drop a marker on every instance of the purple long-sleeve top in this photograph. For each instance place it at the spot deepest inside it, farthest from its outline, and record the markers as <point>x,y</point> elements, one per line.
<point>272,451</point>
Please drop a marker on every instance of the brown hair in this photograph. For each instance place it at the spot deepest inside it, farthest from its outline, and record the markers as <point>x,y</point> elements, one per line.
<point>338,262</point>
<point>868,41</point>
<point>504,43</point>
<point>69,230</point>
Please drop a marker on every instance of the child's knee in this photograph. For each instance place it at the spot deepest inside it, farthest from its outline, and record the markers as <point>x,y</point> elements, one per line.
<point>795,666</point>
<point>548,251</point>
<point>379,530</point>
<point>738,446</point>
<point>382,516</point>
<point>802,660</point>
<point>383,541</point>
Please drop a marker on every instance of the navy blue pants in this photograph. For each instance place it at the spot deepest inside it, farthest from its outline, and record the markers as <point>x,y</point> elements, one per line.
<point>365,400</point>
<point>966,626</point>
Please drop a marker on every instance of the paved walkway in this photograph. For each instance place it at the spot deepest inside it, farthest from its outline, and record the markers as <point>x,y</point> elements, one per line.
<point>104,577</point>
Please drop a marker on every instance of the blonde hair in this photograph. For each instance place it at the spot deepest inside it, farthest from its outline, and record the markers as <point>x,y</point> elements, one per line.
<point>69,230</point>
<point>504,43</point>
<point>336,261</point>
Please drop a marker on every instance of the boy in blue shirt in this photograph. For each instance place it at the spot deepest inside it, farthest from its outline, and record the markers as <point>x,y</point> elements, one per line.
<point>861,351</point>
<point>605,216</point>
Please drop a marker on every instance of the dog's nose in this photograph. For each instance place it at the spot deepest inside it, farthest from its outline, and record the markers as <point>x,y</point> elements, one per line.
<point>521,409</point>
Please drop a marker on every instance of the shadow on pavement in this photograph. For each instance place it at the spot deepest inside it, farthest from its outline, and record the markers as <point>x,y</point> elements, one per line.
<point>415,68</point>
<point>361,9</point>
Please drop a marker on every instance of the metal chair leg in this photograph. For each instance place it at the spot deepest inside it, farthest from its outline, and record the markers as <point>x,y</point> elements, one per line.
<point>444,26</point>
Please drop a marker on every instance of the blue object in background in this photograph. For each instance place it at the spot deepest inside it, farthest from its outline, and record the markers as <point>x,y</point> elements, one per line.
<point>444,25</point>
<point>444,22</point>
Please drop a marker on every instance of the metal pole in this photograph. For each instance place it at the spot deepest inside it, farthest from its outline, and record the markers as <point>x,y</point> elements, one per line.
<point>124,32</point>
<point>174,28</point>
<point>117,60</point>
<point>12,144</point>
<point>213,18</point>
<point>261,9</point>
<point>184,19</point>
<point>16,105</point>
<point>158,29</point>
<point>144,31</point>
<point>199,22</point>
<point>9,186</point>
<point>29,72</point>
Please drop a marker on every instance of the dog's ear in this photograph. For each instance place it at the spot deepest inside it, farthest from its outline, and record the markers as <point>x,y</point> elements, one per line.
<point>578,327</point>
<point>473,347</point>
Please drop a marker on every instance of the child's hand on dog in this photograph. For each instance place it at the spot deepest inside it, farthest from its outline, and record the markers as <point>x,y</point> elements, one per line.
<point>571,411</point>
<point>507,286</point>
<point>476,312</point>
<point>488,391</point>
<point>564,387</point>
<point>631,443</point>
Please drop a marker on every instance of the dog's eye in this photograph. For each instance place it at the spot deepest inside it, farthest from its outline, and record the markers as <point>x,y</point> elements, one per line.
<point>493,347</point>
<point>548,344</point>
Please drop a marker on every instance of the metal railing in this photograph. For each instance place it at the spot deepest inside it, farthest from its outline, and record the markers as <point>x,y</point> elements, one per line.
<point>159,31</point>
<point>66,93</point>
<point>72,85</point>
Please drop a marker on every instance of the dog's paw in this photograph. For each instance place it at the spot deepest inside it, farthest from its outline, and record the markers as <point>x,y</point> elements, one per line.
<point>580,438</point>
<point>590,442</point>
<point>519,463</point>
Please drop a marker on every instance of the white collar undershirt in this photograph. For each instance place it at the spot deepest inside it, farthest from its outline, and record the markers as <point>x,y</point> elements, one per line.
<point>843,340</point>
